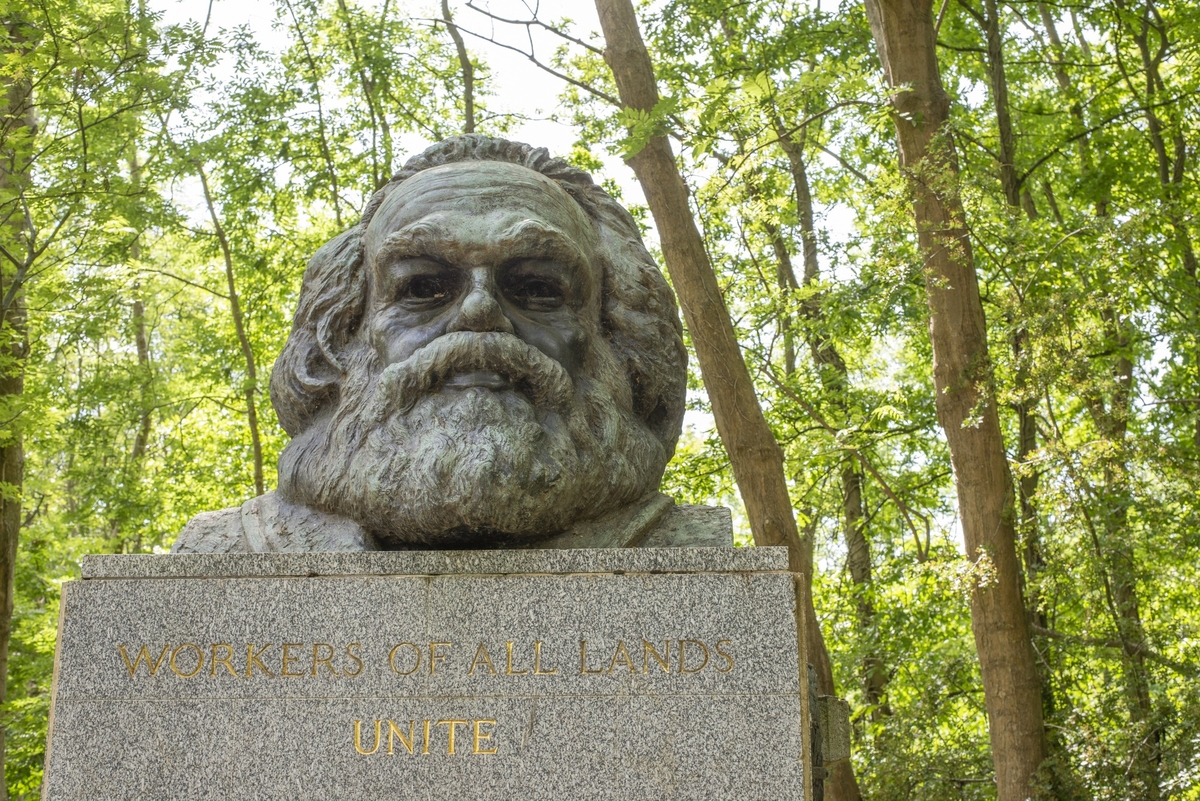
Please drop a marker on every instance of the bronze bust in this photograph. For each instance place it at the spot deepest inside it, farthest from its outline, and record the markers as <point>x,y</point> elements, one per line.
<point>489,358</point>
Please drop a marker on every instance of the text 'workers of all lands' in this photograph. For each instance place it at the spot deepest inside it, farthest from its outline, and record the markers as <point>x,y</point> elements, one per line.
<point>503,658</point>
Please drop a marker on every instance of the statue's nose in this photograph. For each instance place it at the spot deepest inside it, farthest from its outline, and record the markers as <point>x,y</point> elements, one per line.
<point>480,310</point>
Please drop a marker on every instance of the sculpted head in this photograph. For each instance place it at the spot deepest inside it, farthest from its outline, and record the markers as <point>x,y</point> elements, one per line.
<point>491,355</point>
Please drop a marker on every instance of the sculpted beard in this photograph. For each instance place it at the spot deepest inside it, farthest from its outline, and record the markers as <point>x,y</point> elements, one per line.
<point>415,465</point>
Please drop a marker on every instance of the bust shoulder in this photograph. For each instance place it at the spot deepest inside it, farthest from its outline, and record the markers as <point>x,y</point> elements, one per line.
<point>271,524</point>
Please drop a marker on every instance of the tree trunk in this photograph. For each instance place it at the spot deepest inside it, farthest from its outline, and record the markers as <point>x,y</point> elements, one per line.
<point>17,128</point>
<point>1064,83</point>
<point>1119,563</point>
<point>145,381</point>
<point>1115,551</point>
<point>1009,181</point>
<point>144,376</point>
<point>335,195</point>
<point>468,70</point>
<point>140,339</point>
<point>239,325</point>
<point>755,456</point>
<point>835,380</point>
<point>1018,201</point>
<point>381,169</point>
<point>785,278</point>
<point>904,35</point>
<point>1161,124</point>
<point>1035,561</point>
<point>142,438</point>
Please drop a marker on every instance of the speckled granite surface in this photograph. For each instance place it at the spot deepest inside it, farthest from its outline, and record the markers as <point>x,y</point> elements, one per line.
<point>638,674</point>
<point>435,563</point>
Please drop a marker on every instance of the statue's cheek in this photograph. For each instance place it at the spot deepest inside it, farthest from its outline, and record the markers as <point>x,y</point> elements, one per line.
<point>561,336</point>
<point>396,334</point>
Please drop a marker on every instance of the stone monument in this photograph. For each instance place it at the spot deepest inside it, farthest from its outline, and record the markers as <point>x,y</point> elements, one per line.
<point>467,580</point>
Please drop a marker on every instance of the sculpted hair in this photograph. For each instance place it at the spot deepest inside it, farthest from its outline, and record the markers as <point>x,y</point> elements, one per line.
<point>638,314</point>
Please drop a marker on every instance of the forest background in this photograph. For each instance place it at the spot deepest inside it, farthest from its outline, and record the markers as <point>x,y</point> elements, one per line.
<point>164,179</point>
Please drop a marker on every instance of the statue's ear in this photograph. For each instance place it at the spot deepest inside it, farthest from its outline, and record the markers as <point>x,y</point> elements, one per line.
<point>303,382</point>
<point>307,376</point>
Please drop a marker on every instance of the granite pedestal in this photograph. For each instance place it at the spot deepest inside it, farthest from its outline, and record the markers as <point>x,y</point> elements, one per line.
<point>579,674</point>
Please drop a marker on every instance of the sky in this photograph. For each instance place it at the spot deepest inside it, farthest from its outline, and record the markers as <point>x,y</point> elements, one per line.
<point>516,84</point>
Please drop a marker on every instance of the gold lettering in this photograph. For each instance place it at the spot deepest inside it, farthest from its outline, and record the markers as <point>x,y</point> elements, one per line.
<point>392,659</point>
<point>199,660</point>
<point>288,658</point>
<point>451,727</point>
<point>358,738</point>
<point>537,661</point>
<point>724,656</point>
<point>407,742</point>
<point>583,668</point>
<point>425,747</point>
<point>327,661</point>
<point>225,660</point>
<point>482,657</point>
<point>252,660</point>
<point>480,737</point>
<point>621,654</point>
<point>683,668</point>
<point>355,657</point>
<point>508,671</point>
<point>143,656</point>
<point>648,651</point>
<point>434,657</point>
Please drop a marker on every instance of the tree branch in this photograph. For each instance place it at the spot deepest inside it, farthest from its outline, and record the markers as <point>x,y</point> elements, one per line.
<point>534,21</point>
<point>1121,645</point>
<point>905,510</point>
<point>607,98</point>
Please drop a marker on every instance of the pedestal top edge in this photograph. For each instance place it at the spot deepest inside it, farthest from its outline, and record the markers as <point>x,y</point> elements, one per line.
<point>436,563</point>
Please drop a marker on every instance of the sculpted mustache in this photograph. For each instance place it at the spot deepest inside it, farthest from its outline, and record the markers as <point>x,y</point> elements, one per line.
<point>542,379</point>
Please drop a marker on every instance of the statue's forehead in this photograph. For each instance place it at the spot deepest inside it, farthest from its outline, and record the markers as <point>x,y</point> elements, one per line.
<point>479,189</point>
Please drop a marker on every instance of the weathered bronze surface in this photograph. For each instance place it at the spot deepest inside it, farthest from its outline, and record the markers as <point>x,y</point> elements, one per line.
<point>490,358</point>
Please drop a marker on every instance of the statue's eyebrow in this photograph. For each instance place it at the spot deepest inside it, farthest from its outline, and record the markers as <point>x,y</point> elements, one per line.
<point>527,239</point>
<point>418,239</point>
<point>533,239</point>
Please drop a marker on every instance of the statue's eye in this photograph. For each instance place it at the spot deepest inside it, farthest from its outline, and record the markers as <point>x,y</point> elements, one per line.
<point>536,293</point>
<point>427,290</point>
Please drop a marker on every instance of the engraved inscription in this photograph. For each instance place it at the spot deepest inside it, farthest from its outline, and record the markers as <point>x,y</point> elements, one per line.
<point>514,659</point>
<point>255,660</point>
<point>676,656</point>
<point>369,737</point>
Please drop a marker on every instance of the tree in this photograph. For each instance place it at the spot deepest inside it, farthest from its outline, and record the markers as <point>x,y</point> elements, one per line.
<point>133,413</point>
<point>17,129</point>
<point>904,34</point>
<point>72,81</point>
<point>755,455</point>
